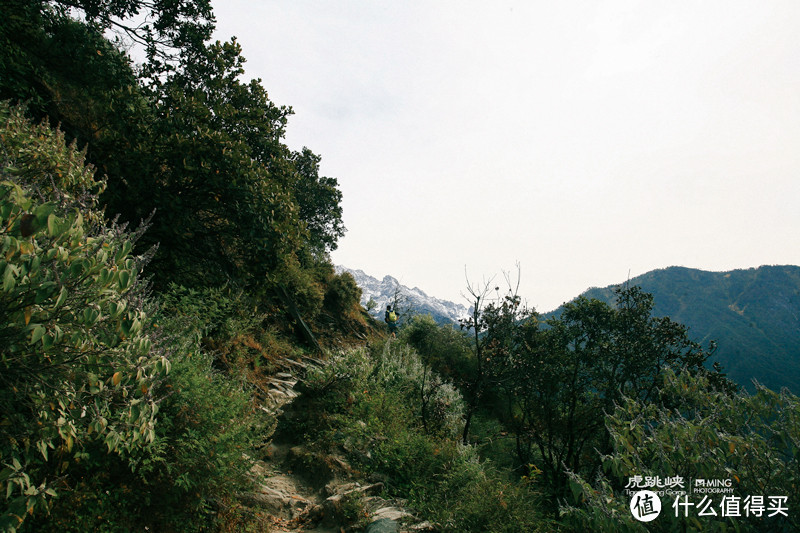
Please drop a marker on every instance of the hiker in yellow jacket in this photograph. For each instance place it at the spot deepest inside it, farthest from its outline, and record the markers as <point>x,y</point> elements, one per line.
<point>391,319</point>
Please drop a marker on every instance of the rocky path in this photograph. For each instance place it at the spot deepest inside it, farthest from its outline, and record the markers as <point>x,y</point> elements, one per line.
<point>304,491</point>
<point>294,506</point>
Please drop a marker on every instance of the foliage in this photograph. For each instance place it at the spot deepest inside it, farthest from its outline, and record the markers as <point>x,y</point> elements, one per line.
<point>93,429</point>
<point>209,427</point>
<point>555,380</point>
<point>492,324</point>
<point>444,347</point>
<point>79,365</point>
<point>216,174</point>
<point>369,402</point>
<point>697,432</point>
<point>436,401</point>
<point>239,229</point>
<point>341,316</point>
<point>186,480</point>
<point>215,313</point>
<point>343,294</point>
<point>38,159</point>
<point>68,73</point>
<point>394,377</point>
<point>473,496</point>
<point>319,200</point>
<point>185,139</point>
<point>160,27</point>
<point>229,324</point>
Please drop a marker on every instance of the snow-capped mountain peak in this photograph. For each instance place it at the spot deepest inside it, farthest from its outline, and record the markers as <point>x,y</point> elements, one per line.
<point>377,294</point>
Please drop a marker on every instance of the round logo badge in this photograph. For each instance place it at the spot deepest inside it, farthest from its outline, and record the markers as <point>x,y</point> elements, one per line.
<point>645,505</point>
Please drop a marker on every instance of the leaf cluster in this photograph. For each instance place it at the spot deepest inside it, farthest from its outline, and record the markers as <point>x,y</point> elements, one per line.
<point>697,431</point>
<point>78,365</point>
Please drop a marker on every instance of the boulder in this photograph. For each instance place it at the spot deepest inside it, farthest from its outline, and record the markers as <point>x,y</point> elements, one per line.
<point>392,513</point>
<point>383,525</point>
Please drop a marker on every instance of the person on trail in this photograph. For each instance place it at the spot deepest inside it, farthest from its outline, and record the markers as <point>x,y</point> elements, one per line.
<point>391,319</point>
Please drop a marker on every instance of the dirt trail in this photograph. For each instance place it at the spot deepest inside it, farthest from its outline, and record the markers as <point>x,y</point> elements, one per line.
<point>304,491</point>
<point>295,506</point>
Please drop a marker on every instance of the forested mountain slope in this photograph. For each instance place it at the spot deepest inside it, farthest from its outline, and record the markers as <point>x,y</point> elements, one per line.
<point>753,314</point>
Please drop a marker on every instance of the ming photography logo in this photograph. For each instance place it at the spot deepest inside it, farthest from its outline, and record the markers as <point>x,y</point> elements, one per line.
<point>700,497</point>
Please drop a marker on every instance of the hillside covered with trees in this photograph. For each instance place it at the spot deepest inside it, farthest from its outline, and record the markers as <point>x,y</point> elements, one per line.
<point>753,315</point>
<point>162,251</point>
<point>164,260</point>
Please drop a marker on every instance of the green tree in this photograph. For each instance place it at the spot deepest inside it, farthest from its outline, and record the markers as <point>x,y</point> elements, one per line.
<point>162,27</point>
<point>68,72</point>
<point>319,200</point>
<point>216,175</point>
<point>565,375</point>
<point>493,325</point>
<point>185,138</point>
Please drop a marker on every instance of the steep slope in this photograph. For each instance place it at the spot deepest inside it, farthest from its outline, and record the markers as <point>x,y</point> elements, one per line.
<point>382,292</point>
<point>753,314</point>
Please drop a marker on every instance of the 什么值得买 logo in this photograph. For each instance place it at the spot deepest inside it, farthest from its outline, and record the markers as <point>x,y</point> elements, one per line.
<point>645,505</point>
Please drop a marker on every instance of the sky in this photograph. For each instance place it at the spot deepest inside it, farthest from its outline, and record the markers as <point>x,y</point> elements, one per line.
<point>585,141</point>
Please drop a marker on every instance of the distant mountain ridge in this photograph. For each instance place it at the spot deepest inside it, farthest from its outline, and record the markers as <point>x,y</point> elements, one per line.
<point>753,314</point>
<point>382,293</point>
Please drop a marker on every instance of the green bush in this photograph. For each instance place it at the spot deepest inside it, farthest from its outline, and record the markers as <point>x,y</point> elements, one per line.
<point>79,366</point>
<point>388,380</point>
<point>474,496</point>
<point>443,347</point>
<point>209,428</point>
<point>232,327</point>
<point>697,432</point>
<point>95,436</point>
<point>342,294</point>
<point>370,401</point>
<point>219,313</point>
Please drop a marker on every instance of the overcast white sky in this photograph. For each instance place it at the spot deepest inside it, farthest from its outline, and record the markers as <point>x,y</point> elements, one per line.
<point>584,140</point>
